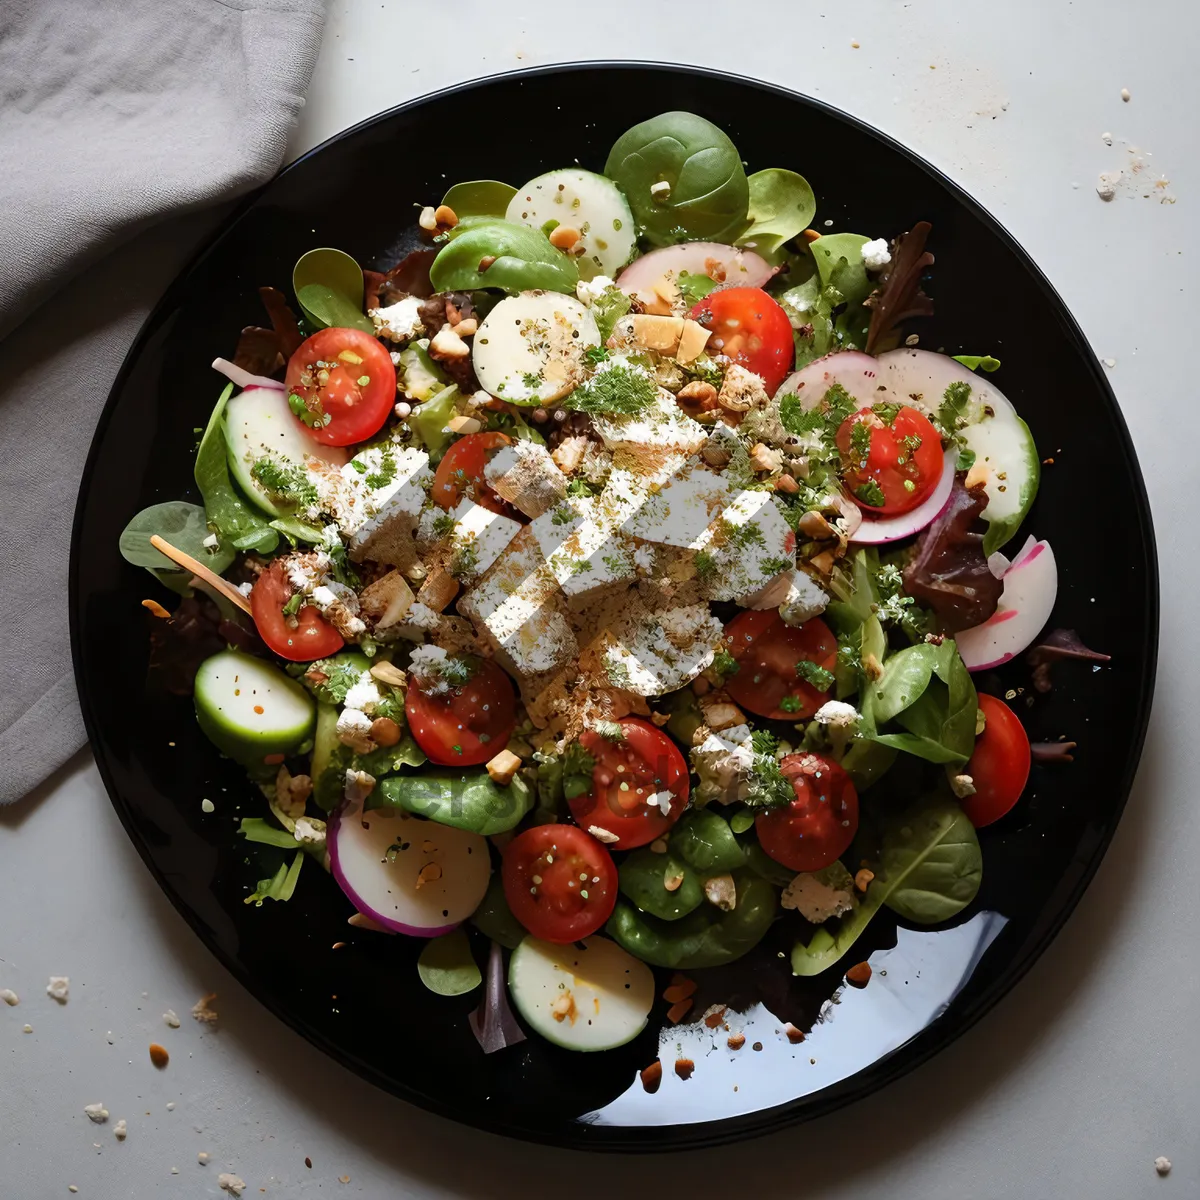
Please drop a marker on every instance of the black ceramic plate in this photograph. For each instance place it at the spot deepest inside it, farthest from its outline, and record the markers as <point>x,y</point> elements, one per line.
<point>357,192</point>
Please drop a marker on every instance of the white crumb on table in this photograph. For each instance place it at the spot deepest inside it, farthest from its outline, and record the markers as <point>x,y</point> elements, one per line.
<point>59,988</point>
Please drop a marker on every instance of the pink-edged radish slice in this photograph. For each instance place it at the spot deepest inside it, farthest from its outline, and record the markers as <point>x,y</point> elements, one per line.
<point>1000,439</point>
<point>1030,589</point>
<point>874,531</point>
<point>409,875</point>
<point>731,266</point>
<point>859,374</point>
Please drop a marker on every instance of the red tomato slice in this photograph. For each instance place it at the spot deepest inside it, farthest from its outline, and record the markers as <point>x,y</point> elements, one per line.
<point>819,825</point>
<point>999,767</point>
<point>560,883</point>
<point>346,382</point>
<point>627,774</point>
<point>767,651</point>
<point>895,463</point>
<point>751,328</point>
<point>461,472</point>
<point>312,637</point>
<point>465,723</point>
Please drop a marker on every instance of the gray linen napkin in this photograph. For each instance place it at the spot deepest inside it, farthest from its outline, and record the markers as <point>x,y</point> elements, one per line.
<point>114,115</point>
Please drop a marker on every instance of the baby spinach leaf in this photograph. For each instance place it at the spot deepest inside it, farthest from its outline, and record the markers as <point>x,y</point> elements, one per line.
<point>839,261</point>
<point>706,937</point>
<point>707,193</point>
<point>495,919</point>
<point>644,876</point>
<point>479,198</point>
<point>236,521</point>
<point>522,260</point>
<point>906,675</point>
<point>932,859</point>
<point>833,940</point>
<point>704,841</point>
<point>329,287</point>
<point>296,530</point>
<point>185,526</point>
<point>781,205</point>
<point>462,799</point>
<point>446,966</point>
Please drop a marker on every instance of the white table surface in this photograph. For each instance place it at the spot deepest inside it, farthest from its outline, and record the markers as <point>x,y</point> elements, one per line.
<point>1088,1070</point>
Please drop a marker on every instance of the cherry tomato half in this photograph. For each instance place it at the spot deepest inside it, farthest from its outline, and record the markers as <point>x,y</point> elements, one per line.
<point>819,825</point>
<point>461,724</point>
<point>560,883</point>
<point>461,472</point>
<point>767,650</point>
<point>999,766</point>
<point>312,637</point>
<point>891,458</point>
<point>751,328</point>
<point>345,379</point>
<point>628,773</point>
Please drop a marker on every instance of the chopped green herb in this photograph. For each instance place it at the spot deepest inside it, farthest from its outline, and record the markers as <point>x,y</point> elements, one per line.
<point>978,362</point>
<point>580,565</point>
<point>611,731</point>
<point>887,413</point>
<point>581,487</point>
<point>860,443</point>
<point>284,480</point>
<point>314,418</point>
<point>596,354</point>
<point>615,563</point>
<point>443,525</point>
<point>705,563</point>
<point>294,603</point>
<point>869,492</point>
<point>363,380</point>
<point>385,474</point>
<point>725,664</point>
<point>776,566</point>
<point>912,443</point>
<point>814,675</point>
<point>341,677</point>
<point>764,741</point>
<point>618,674</point>
<point>742,537</point>
<point>951,412</point>
<point>464,561</point>
<point>966,459</point>
<point>531,379</point>
<point>790,704</point>
<point>360,467</point>
<point>564,514</point>
<point>909,486</point>
<point>619,391</point>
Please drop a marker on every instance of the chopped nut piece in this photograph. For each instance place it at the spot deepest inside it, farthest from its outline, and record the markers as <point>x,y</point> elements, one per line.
<point>678,1011</point>
<point>660,190</point>
<point>603,835</point>
<point>736,1041</point>
<point>859,975</point>
<point>680,988</point>
<point>362,921</point>
<point>203,1011</point>
<point>742,390</point>
<point>872,667</point>
<point>568,454</point>
<point>388,673</point>
<point>468,328</point>
<point>657,333</point>
<point>862,880</point>
<point>428,219</point>
<point>673,882</point>
<point>563,237</point>
<point>785,483</point>
<point>662,297</point>
<point>503,767</point>
<point>722,715</point>
<point>446,344</point>
<point>385,731</point>
<point>429,873</point>
<point>485,262</point>
<point>715,1016</point>
<point>658,846</point>
<point>651,1077</point>
<point>794,1035</point>
<point>158,1055</point>
<point>962,786</point>
<point>445,216</point>
<point>697,397</point>
<point>763,458</point>
<point>155,609</point>
<point>715,456</point>
<point>684,1068</point>
<point>439,588</point>
<point>721,891</point>
<point>691,342</point>
<point>815,526</point>
<point>464,425</point>
<point>977,476</point>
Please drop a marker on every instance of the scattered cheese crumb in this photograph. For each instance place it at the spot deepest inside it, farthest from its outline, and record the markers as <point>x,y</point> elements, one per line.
<point>170,1106</point>
<point>10,997</point>
<point>230,1183</point>
<point>202,1010</point>
<point>120,1130</point>
<point>169,1018</point>
<point>1106,187</point>
<point>96,1112</point>
<point>27,1029</point>
<point>1125,95</point>
<point>1162,1165</point>
<point>202,1158</point>
<point>59,988</point>
<point>876,255</point>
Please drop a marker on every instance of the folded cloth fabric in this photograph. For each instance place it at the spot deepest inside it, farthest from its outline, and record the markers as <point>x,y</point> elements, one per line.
<point>115,115</point>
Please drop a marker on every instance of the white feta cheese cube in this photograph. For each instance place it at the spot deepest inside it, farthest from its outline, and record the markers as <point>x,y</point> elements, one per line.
<point>478,539</point>
<point>745,548</point>
<point>583,551</point>
<point>876,255</point>
<point>388,489</point>
<point>652,653</point>
<point>518,608</point>
<point>364,694</point>
<point>677,512</point>
<point>654,442</point>
<point>805,599</point>
<point>527,477</point>
<point>400,321</point>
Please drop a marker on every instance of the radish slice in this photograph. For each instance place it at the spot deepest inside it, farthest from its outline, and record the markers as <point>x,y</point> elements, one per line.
<point>411,876</point>
<point>1030,589</point>
<point>859,374</point>
<point>874,531</point>
<point>743,268</point>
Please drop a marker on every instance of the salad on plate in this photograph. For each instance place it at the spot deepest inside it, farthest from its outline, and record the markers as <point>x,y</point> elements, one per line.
<point>603,585</point>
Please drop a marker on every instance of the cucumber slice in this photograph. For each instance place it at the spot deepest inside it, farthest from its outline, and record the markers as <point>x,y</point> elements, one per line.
<point>587,202</point>
<point>250,709</point>
<point>421,377</point>
<point>530,348</point>
<point>258,422</point>
<point>593,998</point>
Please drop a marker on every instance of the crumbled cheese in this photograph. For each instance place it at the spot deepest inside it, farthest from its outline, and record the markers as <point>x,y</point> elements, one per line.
<point>805,599</point>
<point>876,255</point>
<point>170,1019</point>
<point>837,713</point>
<point>589,291</point>
<point>230,1183</point>
<point>815,900</point>
<point>120,1130</point>
<point>400,321</point>
<point>427,662</point>
<point>211,542</point>
<point>354,729</point>
<point>310,831</point>
<point>364,694</point>
<point>59,988</point>
<point>9,997</point>
<point>663,800</point>
<point>359,785</point>
<point>96,1113</point>
<point>203,1011</point>
<point>962,786</point>
<point>724,763</point>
